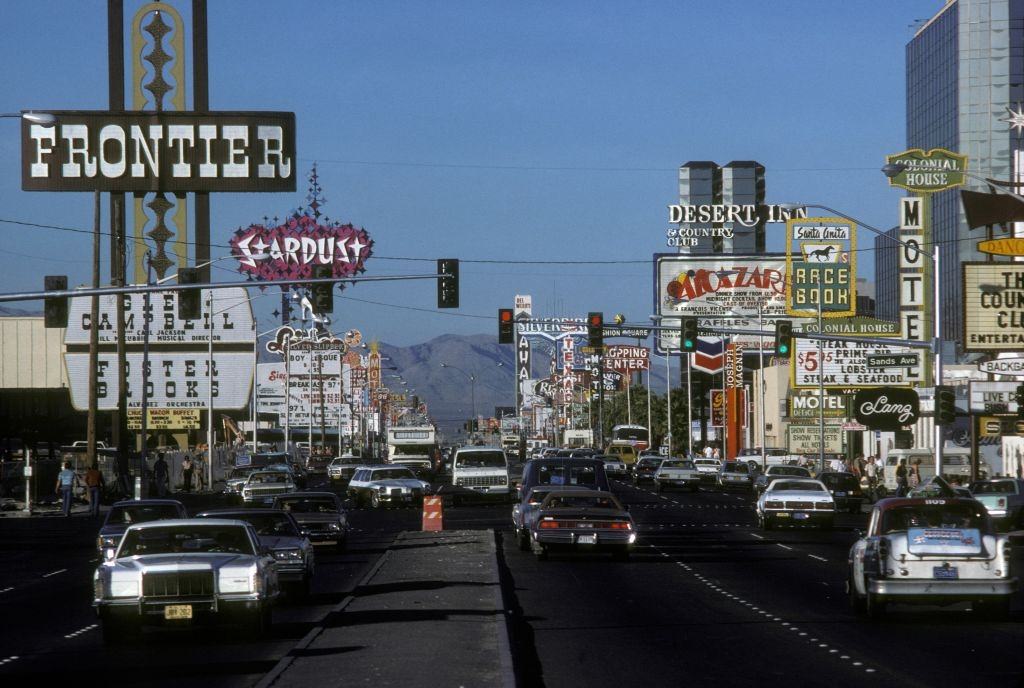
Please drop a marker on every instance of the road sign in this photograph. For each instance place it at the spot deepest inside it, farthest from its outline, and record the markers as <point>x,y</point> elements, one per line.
<point>893,361</point>
<point>845,365</point>
<point>631,332</point>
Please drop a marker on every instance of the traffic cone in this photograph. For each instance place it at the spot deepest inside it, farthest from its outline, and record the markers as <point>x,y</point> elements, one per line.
<point>433,514</point>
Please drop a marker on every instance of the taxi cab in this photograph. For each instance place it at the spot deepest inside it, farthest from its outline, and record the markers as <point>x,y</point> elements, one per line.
<point>938,550</point>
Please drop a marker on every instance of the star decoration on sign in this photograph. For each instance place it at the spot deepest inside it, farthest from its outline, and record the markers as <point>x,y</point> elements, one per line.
<point>1015,118</point>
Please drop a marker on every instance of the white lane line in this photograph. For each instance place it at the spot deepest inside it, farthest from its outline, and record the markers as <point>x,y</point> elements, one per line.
<point>757,536</point>
<point>784,546</point>
<point>815,556</point>
<point>53,573</point>
<point>80,631</point>
<point>8,659</point>
<point>7,589</point>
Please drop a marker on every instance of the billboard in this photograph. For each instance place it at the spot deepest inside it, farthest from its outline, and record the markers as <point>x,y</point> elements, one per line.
<point>304,397</point>
<point>164,419</point>
<point>845,365</point>
<point>821,264</point>
<point>172,152</point>
<point>993,295</point>
<point>626,358</point>
<point>806,439</point>
<point>721,290</point>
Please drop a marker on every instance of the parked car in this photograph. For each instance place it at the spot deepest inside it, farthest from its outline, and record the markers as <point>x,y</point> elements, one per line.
<point>341,468</point>
<point>763,480</point>
<point>183,572</point>
<point>278,531</point>
<point>321,516</point>
<point>931,550</point>
<point>735,474</point>
<point>262,486</point>
<point>677,473</point>
<point>1003,498</point>
<point>613,466</point>
<point>645,469</point>
<point>582,521</point>
<point>845,490</point>
<point>380,486</point>
<point>131,511</point>
<point>796,501</point>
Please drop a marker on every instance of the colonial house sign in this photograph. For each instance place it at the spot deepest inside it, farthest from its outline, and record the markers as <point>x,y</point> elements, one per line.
<point>886,408</point>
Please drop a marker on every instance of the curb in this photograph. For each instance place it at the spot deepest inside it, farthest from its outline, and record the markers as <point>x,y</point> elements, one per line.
<point>282,665</point>
<point>506,660</point>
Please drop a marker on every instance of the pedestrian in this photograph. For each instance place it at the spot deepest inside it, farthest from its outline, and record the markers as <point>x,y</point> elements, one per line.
<point>67,481</point>
<point>914,475</point>
<point>708,451</point>
<point>160,475</point>
<point>95,483</point>
<point>186,473</point>
<point>902,477</point>
<point>716,455</point>
<point>199,469</point>
<point>871,471</point>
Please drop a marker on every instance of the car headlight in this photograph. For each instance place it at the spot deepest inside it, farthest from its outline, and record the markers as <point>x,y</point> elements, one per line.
<point>334,526</point>
<point>287,554</point>
<point>106,542</point>
<point>124,588</point>
<point>426,487</point>
<point>235,581</point>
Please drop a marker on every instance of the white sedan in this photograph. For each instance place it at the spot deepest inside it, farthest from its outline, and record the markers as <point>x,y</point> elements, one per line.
<point>796,501</point>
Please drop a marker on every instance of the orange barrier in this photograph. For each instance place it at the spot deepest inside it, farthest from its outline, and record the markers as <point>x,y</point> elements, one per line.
<point>433,514</point>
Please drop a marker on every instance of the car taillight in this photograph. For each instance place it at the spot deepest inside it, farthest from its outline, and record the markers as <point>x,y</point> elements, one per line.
<point>1001,502</point>
<point>544,525</point>
<point>620,525</point>
<point>883,551</point>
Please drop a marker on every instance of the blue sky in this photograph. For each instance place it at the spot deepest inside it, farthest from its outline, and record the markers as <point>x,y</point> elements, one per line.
<point>498,131</point>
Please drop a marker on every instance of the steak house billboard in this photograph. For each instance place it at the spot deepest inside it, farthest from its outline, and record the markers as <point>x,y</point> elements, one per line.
<point>167,151</point>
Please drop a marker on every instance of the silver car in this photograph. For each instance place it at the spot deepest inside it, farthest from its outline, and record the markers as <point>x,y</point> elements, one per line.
<point>379,486</point>
<point>180,572</point>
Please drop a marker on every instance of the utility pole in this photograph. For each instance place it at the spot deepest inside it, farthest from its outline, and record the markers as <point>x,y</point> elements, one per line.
<point>94,336</point>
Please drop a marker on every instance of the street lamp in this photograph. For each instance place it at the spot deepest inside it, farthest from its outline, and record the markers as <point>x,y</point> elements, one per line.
<point>44,118</point>
<point>933,255</point>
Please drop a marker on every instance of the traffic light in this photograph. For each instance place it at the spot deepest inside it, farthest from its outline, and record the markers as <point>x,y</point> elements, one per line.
<point>1020,401</point>
<point>322,293</point>
<point>945,405</point>
<point>505,323</point>
<point>783,338</point>
<point>448,287</point>
<point>55,310</point>
<point>190,301</point>
<point>688,333</point>
<point>595,330</point>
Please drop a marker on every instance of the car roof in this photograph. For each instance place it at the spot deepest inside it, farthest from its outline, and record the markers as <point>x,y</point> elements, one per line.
<point>172,522</point>
<point>223,513</point>
<point>147,502</point>
<point>579,492</point>
<point>482,447</point>
<point>799,479</point>
<point>565,461</point>
<point>321,493</point>
<point>896,502</point>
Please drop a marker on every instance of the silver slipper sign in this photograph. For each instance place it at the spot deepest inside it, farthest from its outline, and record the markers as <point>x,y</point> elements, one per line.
<point>886,408</point>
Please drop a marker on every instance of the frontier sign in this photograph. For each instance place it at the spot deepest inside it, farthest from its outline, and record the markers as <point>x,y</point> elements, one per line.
<point>166,151</point>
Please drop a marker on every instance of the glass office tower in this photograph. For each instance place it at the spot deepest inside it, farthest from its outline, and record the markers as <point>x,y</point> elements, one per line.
<point>740,183</point>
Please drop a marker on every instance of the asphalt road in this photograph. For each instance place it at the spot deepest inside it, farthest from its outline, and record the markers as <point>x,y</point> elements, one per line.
<point>707,598</point>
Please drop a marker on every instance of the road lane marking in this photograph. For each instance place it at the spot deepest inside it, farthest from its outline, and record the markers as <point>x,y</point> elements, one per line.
<point>815,556</point>
<point>757,536</point>
<point>7,589</point>
<point>8,659</point>
<point>784,546</point>
<point>80,631</point>
<point>53,573</point>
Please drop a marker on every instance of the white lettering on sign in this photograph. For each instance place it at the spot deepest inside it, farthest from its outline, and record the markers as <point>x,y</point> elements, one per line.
<point>993,306</point>
<point>845,365</point>
<point>746,215</point>
<point>912,212</point>
<point>903,412</point>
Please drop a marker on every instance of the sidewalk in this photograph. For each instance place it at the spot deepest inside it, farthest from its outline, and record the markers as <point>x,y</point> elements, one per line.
<point>430,613</point>
<point>193,501</point>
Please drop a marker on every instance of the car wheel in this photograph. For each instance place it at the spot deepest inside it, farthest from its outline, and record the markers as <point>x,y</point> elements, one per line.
<point>992,609</point>
<point>304,588</point>
<point>342,544</point>
<point>857,603</point>
<point>375,500</point>
<point>524,540</point>
<point>875,607</point>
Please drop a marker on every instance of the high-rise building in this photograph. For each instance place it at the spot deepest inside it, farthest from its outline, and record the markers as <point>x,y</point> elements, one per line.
<point>887,282</point>
<point>739,183</point>
<point>965,68</point>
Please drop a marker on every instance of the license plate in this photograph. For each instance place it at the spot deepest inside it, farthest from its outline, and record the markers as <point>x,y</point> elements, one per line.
<point>801,517</point>
<point>587,539</point>
<point>840,494</point>
<point>782,515</point>
<point>178,611</point>
<point>944,573</point>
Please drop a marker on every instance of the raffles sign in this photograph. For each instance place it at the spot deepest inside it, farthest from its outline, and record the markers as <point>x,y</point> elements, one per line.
<point>167,151</point>
<point>886,408</point>
<point>993,296</point>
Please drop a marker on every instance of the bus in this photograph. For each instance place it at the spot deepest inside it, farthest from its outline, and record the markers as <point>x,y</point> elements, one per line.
<point>635,435</point>
<point>414,446</point>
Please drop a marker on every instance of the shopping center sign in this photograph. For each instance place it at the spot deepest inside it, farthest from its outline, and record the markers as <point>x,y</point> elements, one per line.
<point>993,295</point>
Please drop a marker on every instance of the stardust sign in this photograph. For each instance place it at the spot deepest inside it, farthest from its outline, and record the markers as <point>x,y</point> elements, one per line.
<point>297,246</point>
<point>166,151</point>
<point>993,296</point>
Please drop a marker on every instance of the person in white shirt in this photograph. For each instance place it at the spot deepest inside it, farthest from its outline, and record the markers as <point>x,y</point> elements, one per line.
<point>708,451</point>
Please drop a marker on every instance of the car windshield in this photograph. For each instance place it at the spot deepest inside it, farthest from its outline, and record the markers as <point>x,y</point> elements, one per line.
<point>680,463</point>
<point>996,487</point>
<point>126,515</point>
<point>265,478</point>
<point>308,505</point>
<point>567,475</point>
<point>650,463</point>
<point>240,472</point>
<point>736,467</point>
<point>562,500</point>
<point>537,496</point>
<point>269,523</point>
<point>946,515</point>
<point>839,480</point>
<point>480,459</point>
<point>796,486</point>
<point>392,474</point>
<point>189,539</point>
<point>789,470</point>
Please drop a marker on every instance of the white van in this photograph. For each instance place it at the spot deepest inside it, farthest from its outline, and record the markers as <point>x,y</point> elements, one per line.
<point>956,464</point>
<point>481,470</point>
